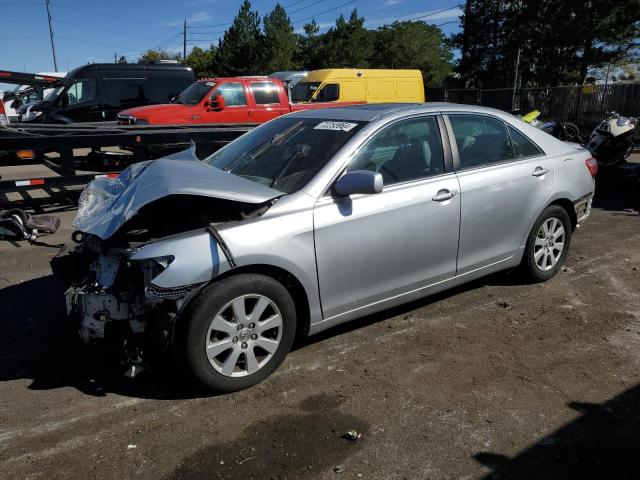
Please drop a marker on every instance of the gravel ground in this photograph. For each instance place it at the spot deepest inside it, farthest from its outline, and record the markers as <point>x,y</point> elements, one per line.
<point>495,379</point>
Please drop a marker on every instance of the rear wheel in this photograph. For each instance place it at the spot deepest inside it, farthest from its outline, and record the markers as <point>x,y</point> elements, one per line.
<point>238,331</point>
<point>547,245</point>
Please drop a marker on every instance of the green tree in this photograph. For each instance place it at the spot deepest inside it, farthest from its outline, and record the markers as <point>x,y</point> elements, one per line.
<point>414,45</point>
<point>153,56</point>
<point>203,62</point>
<point>239,48</point>
<point>310,47</point>
<point>558,42</point>
<point>348,44</point>
<point>279,43</point>
<point>122,59</point>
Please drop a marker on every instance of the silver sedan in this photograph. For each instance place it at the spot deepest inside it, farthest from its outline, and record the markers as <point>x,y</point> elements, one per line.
<point>314,219</point>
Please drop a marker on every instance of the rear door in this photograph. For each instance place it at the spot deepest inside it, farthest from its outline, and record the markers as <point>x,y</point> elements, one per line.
<point>505,179</point>
<point>371,248</point>
<point>267,101</point>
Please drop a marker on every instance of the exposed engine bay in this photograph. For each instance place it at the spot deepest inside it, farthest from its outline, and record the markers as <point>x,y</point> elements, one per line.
<point>129,289</point>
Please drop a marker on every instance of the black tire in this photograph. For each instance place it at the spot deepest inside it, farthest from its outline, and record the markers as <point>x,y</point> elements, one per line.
<point>192,337</point>
<point>529,267</point>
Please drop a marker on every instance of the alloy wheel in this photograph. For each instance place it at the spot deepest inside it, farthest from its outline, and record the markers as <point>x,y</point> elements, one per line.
<point>549,244</point>
<point>244,335</point>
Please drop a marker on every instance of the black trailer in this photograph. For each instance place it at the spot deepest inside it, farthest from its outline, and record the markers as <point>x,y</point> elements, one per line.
<point>29,144</point>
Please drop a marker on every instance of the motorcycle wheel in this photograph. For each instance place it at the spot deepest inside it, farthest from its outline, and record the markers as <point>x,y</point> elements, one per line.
<point>571,133</point>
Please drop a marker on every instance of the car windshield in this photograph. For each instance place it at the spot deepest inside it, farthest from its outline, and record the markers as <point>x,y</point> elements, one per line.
<point>285,153</point>
<point>303,91</point>
<point>194,93</point>
<point>53,94</point>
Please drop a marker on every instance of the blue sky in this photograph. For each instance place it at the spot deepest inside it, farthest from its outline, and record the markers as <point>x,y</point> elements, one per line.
<point>93,30</point>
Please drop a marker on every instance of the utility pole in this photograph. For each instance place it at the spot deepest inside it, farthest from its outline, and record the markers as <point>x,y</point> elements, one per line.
<point>53,48</point>
<point>115,57</point>
<point>184,42</point>
<point>515,82</point>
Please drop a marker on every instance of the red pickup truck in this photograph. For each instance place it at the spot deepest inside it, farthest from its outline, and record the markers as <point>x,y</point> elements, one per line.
<point>223,100</point>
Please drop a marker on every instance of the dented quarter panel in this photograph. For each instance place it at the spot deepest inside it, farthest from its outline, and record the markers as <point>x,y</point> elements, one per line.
<point>197,258</point>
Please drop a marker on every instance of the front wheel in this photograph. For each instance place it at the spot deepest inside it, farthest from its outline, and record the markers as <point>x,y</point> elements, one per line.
<point>547,245</point>
<point>238,331</point>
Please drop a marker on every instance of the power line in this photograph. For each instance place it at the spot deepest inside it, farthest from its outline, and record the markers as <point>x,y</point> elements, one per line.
<point>284,6</point>
<point>431,14</point>
<point>323,12</point>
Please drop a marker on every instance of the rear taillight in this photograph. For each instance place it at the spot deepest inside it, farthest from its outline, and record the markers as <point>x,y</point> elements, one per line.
<point>592,165</point>
<point>3,116</point>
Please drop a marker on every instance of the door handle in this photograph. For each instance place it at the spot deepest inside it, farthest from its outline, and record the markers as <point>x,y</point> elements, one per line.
<point>444,195</point>
<point>539,171</point>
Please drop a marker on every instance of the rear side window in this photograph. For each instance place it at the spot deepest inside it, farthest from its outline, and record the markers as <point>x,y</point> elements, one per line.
<point>126,90</point>
<point>481,140</point>
<point>522,147</point>
<point>233,94</point>
<point>407,150</point>
<point>265,93</point>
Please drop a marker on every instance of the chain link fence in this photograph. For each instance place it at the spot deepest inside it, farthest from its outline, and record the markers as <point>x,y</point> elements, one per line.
<point>586,106</point>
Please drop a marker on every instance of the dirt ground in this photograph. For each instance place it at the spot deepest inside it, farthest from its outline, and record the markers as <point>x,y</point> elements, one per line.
<point>495,379</point>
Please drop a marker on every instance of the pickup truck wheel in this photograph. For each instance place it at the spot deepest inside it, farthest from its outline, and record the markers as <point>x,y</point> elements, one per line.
<point>547,245</point>
<point>238,331</point>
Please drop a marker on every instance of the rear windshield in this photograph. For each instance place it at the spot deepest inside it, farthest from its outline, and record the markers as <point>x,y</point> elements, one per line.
<point>194,93</point>
<point>285,153</point>
<point>303,91</point>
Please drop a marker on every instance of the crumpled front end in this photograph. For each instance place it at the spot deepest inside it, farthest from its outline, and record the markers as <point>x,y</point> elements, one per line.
<point>125,296</point>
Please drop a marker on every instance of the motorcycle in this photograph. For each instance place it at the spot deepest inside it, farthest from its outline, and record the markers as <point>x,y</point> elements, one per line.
<point>612,141</point>
<point>565,131</point>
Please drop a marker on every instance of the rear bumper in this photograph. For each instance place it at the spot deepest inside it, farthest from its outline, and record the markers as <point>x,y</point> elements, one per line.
<point>582,207</point>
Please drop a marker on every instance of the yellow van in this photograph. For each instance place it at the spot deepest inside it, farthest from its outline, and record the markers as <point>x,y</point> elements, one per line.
<point>360,85</point>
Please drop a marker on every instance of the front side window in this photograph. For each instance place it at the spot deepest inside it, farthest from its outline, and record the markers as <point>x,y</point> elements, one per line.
<point>481,140</point>
<point>286,153</point>
<point>407,150</point>
<point>265,93</point>
<point>522,146</point>
<point>329,93</point>
<point>82,91</point>
<point>233,94</point>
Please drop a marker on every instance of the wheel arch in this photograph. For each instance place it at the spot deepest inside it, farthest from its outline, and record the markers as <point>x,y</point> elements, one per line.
<point>567,205</point>
<point>279,274</point>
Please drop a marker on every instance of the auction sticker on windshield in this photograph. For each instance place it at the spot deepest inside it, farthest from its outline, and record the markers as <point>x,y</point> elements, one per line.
<point>339,126</point>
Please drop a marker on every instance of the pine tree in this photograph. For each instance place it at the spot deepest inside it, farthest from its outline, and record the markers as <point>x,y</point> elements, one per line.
<point>279,41</point>
<point>239,48</point>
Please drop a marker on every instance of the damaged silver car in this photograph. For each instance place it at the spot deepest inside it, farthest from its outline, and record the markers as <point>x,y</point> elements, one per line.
<point>311,220</point>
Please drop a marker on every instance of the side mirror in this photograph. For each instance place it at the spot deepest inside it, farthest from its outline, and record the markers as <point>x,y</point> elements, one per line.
<point>359,181</point>
<point>216,104</point>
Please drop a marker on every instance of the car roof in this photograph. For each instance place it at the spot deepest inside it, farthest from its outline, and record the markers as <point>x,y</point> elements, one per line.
<point>370,112</point>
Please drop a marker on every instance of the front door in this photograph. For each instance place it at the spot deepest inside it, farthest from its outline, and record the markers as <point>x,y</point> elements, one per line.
<point>505,180</point>
<point>82,102</point>
<point>370,248</point>
<point>236,109</point>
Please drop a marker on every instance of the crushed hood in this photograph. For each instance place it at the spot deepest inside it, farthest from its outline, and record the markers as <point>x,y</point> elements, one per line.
<point>107,204</point>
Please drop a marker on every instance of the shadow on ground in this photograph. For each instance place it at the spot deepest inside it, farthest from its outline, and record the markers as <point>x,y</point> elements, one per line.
<point>295,446</point>
<point>601,443</point>
<point>39,342</point>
